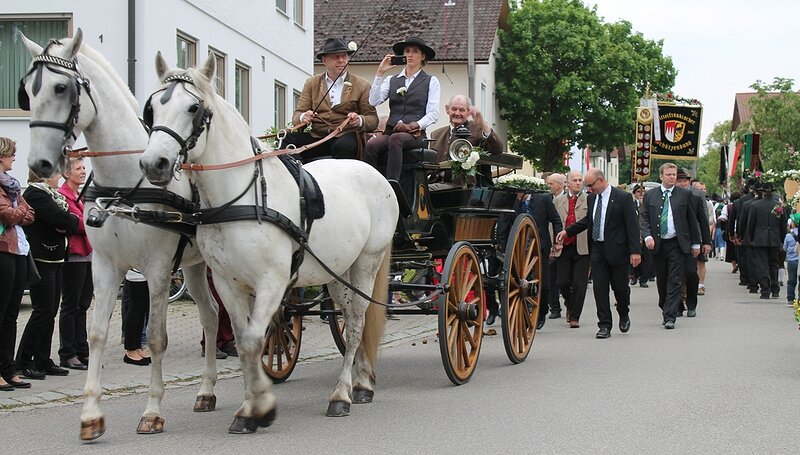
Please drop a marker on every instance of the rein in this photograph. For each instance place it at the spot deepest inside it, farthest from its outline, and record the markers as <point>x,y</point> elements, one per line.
<point>262,156</point>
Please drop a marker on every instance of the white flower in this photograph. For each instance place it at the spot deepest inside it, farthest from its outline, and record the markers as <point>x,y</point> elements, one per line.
<point>348,84</point>
<point>352,46</point>
<point>401,91</point>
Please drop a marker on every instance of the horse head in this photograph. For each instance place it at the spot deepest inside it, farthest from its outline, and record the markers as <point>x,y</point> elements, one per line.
<point>178,114</point>
<point>54,91</point>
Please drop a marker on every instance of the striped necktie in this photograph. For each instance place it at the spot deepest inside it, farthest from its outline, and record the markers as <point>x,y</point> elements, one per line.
<point>663,222</point>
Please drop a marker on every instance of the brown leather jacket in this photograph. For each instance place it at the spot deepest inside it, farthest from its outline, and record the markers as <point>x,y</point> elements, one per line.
<point>355,98</point>
<point>10,216</point>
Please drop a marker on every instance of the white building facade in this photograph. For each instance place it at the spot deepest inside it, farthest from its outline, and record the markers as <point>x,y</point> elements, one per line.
<point>262,50</point>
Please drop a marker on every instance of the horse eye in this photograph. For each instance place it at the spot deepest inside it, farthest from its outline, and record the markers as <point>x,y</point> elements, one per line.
<point>194,108</point>
<point>61,88</point>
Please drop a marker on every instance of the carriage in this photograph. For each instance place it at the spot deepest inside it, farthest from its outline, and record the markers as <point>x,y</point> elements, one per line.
<point>454,246</point>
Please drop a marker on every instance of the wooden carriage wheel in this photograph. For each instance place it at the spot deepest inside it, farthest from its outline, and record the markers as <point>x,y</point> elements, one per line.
<point>337,326</point>
<point>282,346</point>
<point>461,313</point>
<point>521,294</point>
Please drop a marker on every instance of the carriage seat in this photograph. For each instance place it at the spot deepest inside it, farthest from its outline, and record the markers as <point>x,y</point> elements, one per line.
<point>420,155</point>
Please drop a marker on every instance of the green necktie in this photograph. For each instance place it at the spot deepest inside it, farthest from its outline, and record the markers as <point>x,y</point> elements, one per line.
<point>665,215</point>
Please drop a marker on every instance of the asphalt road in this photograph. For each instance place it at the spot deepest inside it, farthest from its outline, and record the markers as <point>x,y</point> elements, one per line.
<point>727,381</point>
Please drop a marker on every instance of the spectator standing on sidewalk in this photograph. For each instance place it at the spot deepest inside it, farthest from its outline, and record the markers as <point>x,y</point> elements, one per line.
<point>48,239</point>
<point>790,247</point>
<point>77,291</point>
<point>135,309</point>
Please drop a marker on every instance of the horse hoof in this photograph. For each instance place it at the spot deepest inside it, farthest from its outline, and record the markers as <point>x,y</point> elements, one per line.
<point>150,425</point>
<point>338,409</point>
<point>267,419</point>
<point>243,425</point>
<point>362,396</point>
<point>205,403</point>
<point>93,429</point>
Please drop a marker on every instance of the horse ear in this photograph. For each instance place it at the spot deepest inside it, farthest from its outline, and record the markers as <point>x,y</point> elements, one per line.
<point>33,48</point>
<point>161,66</point>
<point>74,46</point>
<point>209,68</point>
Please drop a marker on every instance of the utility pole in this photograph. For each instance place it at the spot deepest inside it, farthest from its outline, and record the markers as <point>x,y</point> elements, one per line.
<point>471,49</point>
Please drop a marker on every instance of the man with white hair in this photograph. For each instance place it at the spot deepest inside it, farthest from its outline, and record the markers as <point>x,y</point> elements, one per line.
<point>556,181</point>
<point>460,110</point>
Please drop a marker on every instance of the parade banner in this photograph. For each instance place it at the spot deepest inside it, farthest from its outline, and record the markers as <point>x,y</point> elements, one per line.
<point>680,132</point>
<point>640,155</point>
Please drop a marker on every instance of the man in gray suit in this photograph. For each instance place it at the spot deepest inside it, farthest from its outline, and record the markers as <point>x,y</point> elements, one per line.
<point>572,261</point>
<point>764,233</point>
<point>671,232</point>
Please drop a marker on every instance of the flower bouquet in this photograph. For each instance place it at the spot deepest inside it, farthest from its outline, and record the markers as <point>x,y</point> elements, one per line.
<point>521,182</point>
<point>463,170</point>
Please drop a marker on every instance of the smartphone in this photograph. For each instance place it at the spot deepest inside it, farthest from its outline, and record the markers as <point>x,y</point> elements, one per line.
<point>398,60</point>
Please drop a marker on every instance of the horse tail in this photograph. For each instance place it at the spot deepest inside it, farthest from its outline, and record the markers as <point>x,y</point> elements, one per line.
<point>375,320</point>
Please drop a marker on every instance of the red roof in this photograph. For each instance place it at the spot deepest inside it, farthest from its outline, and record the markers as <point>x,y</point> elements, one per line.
<point>741,108</point>
<point>444,28</point>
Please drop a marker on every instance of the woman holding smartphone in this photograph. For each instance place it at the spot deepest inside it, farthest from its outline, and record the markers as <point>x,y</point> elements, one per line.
<point>413,97</point>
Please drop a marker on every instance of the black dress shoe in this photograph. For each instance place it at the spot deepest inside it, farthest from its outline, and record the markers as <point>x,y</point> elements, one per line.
<point>491,318</point>
<point>54,370</point>
<point>644,284</point>
<point>29,373</point>
<point>540,323</point>
<point>73,364</point>
<point>554,315</point>
<point>691,313</point>
<point>625,325</point>
<point>669,325</point>
<point>143,362</point>
<point>7,388</point>
<point>84,360</point>
<point>776,295</point>
<point>230,349</point>
<point>18,384</point>
<point>604,332</point>
<point>764,297</point>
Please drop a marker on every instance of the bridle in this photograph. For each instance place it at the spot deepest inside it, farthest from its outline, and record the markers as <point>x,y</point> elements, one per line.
<point>53,63</point>
<point>200,120</point>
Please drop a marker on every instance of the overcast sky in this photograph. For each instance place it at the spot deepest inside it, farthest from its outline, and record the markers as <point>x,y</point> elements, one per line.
<point>719,47</point>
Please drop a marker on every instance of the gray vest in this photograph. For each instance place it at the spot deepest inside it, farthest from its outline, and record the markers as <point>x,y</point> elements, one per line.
<point>411,106</point>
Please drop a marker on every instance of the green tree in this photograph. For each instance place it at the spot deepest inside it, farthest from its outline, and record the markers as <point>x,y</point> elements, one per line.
<point>776,116</point>
<point>708,164</point>
<point>566,77</point>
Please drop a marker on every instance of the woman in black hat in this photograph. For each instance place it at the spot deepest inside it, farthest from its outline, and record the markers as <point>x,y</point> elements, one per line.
<point>413,105</point>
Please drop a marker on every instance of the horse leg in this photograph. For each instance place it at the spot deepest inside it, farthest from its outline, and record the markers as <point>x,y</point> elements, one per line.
<point>106,285</point>
<point>152,421</point>
<point>353,312</point>
<point>375,322</point>
<point>208,310</point>
<point>259,406</point>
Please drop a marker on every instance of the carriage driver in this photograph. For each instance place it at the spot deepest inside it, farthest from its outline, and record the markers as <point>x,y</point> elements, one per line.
<point>348,97</point>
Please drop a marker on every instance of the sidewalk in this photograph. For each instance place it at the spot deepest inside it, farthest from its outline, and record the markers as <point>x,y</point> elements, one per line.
<point>182,362</point>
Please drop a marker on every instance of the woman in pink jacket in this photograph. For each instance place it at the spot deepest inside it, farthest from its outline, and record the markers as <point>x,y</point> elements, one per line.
<point>14,249</point>
<point>77,291</point>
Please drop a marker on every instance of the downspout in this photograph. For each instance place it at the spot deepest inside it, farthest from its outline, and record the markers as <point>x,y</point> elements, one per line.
<point>132,46</point>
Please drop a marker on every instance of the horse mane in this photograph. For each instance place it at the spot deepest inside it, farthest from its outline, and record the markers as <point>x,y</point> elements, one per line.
<point>105,65</point>
<point>98,59</point>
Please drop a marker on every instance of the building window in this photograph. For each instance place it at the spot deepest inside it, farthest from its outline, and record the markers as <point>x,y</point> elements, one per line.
<point>243,90</point>
<point>219,81</point>
<point>295,99</point>
<point>15,58</point>
<point>281,5</point>
<point>280,104</point>
<point>298,12</point>
<point>187,51</point>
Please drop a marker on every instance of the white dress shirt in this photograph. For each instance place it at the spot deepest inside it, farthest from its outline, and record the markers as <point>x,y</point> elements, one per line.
<point>606,196</point>
<point>379,93</point>
<point>671,233</point>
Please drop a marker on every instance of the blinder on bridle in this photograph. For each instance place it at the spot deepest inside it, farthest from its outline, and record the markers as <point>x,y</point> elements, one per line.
<point>38,64</point>
<point>201,119</point>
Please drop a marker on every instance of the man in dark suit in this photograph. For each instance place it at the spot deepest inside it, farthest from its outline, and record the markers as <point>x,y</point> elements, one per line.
<point>750,274</point>
<point>327,100</point>
<point>614,233</point>
<point>672,234</point>
<point>541,208</point>
<point>698,208</point>
<point>734,215</point>
<point>764,232</point>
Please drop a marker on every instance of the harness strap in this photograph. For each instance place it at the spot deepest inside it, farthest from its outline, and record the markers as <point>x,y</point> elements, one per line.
<point>249,213</point>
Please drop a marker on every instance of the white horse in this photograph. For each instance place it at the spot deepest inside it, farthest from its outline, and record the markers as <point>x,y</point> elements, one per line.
<point>353,238</point>
<point>109,120</point>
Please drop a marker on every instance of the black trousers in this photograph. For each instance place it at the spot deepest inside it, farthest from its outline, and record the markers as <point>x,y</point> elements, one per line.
<point>604,275</point>
<point>14,273</point>
<point>135,308</point>
<point>555,302</point>
<point>344,146</point>
<point>764,265</point>
<point>670,264</point>
<point>692,282</point>
<point>644,271</point>
<point>389,148</point>
<point>76,296</point>
<point>573,277</point>
<point>37,338</point>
